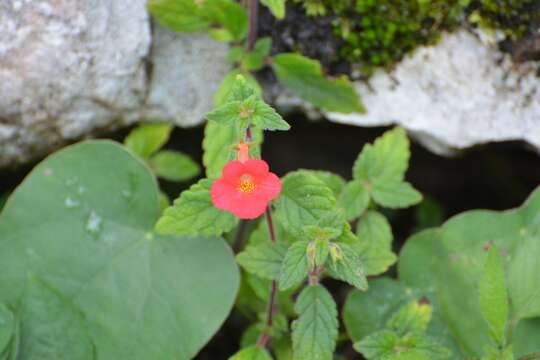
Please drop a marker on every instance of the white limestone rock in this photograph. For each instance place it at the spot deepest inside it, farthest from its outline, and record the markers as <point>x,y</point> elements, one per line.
<point>459,93</point>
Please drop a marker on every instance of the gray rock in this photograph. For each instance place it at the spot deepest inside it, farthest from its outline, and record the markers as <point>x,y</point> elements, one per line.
<point>459,93</point>
<point>74,68</point>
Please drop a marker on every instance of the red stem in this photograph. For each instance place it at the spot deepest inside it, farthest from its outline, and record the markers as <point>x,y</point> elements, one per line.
<point>253,9</point>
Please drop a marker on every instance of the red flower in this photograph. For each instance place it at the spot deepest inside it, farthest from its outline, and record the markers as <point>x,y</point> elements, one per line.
<point>245,188</point>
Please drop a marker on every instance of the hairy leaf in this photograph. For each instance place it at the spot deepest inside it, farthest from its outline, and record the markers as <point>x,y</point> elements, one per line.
<point>295,266</point>
<point>354,199</point>
<point>264,259</point>
<point>395,194</point>
<point>194,214</point>
<point>347,266</point>
<point>315,331</point>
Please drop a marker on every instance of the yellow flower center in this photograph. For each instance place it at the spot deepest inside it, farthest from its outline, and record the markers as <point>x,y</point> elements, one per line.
<point>246,184</point>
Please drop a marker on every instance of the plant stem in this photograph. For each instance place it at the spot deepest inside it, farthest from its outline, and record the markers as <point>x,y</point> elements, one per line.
<point>240,236</point>
<point>531,356</point>
<point>253,9</point>
<point>271,309</point>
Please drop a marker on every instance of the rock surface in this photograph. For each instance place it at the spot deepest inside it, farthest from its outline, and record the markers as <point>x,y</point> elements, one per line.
<point>72,68</point>
<point>459,93</point>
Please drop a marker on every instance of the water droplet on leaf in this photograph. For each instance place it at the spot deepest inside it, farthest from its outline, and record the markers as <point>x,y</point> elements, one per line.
<point>71,203</point>
<point>94,223</point>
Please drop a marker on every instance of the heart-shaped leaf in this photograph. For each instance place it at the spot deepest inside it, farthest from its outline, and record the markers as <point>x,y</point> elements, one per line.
<point>82,224</point>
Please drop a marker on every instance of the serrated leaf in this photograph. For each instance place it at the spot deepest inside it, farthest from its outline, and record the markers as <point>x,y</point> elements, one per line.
<point>219,145</point>
<point>295,266</point>
<point>335,182</point>
<point>354,199</point>
<point>225,88</point>
<point>145,140</point>
<point>387,345</point>
<point>315,331</point>
<point>386,160</point>
<point>277,7</point>
<point>304,200</point>
<point>493,295</point>
<point>174,166</point>
<point>267,118</point>
<point>411,318</point>
<point>317,253</point>
<point>395,195</point>
<point>252,353</point>
<point>227,114</point>
<point>261,234</point>
<point>348,268</point>
<point>263,260</point>
<point>194,214</point>
<point>374,242</point>
<point>304,76</point>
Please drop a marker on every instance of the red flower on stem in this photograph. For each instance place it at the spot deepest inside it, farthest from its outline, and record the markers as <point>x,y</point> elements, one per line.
<point>245,187</point>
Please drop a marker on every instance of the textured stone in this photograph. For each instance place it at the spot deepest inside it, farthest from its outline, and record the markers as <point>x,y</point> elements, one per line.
<point>74,68</point>
<point>459,93</point>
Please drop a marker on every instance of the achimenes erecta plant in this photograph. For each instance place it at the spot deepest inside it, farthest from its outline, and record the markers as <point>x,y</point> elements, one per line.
<point>306,234</point>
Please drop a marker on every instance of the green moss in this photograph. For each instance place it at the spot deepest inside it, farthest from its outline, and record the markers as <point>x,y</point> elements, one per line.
<point>378,33</point>
<point>513,17</point>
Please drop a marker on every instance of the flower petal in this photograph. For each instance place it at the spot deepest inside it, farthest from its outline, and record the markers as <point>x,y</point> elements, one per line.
<point>256,168</point>
<point>270,187</point>
<point>232,171</point>
<point>222,194</point>
<point>248,206</point>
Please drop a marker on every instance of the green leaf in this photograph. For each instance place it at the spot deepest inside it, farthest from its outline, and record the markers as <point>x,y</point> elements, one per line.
<point>317,252</point>
<point>347,266</point>
<point>145,140</point>
<point>254,60</point>
<point>494,296</point>
<point>450,260</point>
<point>384,161</point>
<point>395,195</point>
<point>265,117</point>
<point>354,199</point>
<point>277,7</point>
<point>315,331</point>
<point>234,113</point>
<point>194,214</point>
<point>252,353</point>
<point>219,145</point>
<point>7,327</point>
<point>226,86</point>
<point>374,243</point>
<point>295,266</point>
<point>82,221</point>
<point>263,260</point>
<point>386,344</point>
<point>47,317</point>
<point>411,318</point>
<point>304,76</point>
<point>335,182</point>
<point>304,200</point>
<point>179,15</point>
<point>174,166</point>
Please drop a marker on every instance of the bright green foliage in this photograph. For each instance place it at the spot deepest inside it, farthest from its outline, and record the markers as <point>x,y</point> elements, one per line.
<point>304,200</point>
<point>335,182</point>
<point>346,265</point>
<point>147,139</point>
<point>315,331</point>
<point>450,261</point>
<point>225,19</point>
<point>7,327</point>
<point>277,7</point>
<point>381,167</point>
<point>412,318</point>
<point>174,166</point>
<point>194,214</point>
<point>251,60</point>
<point>387,345</point>
<point>252,353</point>
<point>494,296</point>
<point>295,266</point>
<point>79,261</point>
<point>228,82</point>
<point>354,199</point>
<point>263,260</point>
<point>304,76</point>
<point>317,252</point>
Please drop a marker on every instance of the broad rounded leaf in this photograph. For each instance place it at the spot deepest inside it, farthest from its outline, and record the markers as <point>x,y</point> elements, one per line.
<point>147,139</point>
<point>174,166</point>
<point>82,222</point>
<point>7,326</point>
